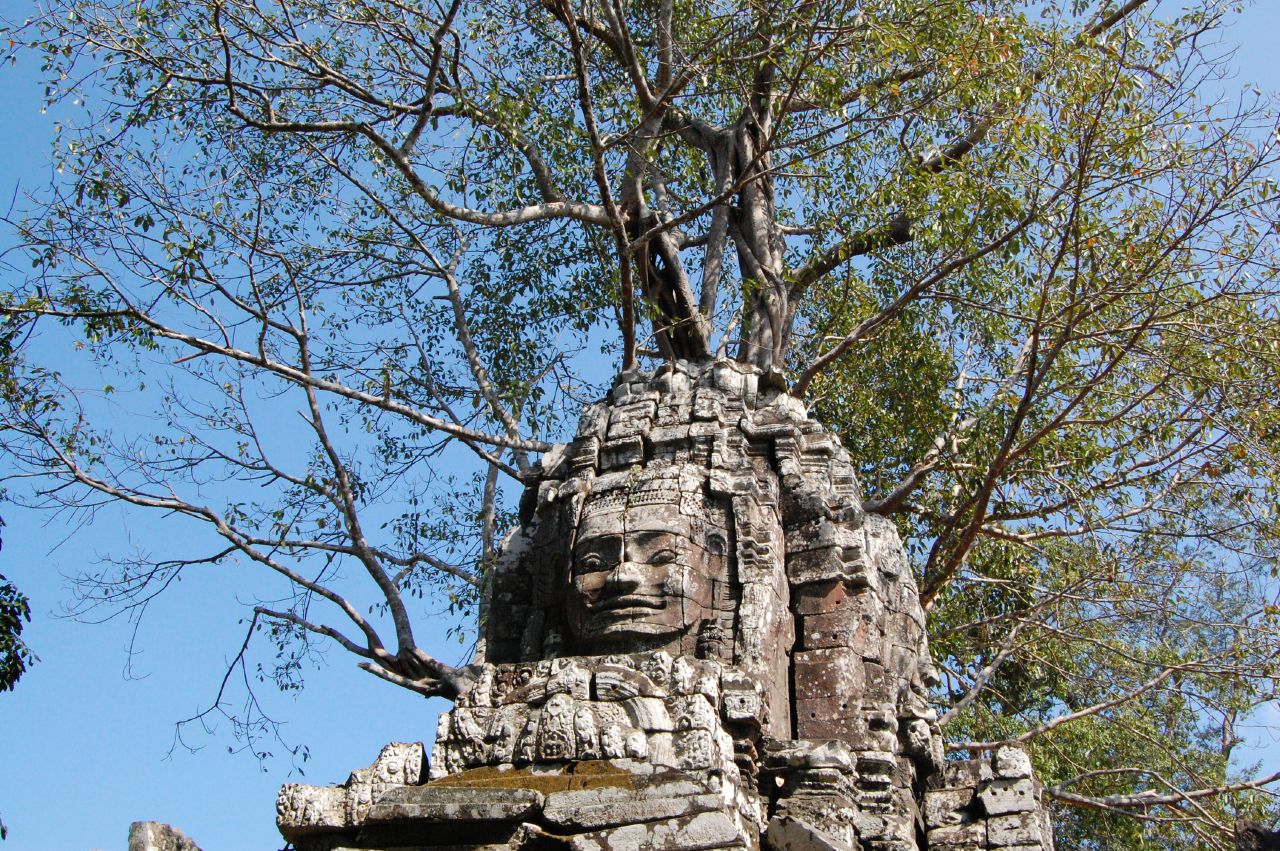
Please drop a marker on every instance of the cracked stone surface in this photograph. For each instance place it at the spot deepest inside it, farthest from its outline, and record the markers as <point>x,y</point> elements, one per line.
<point>696,638</point>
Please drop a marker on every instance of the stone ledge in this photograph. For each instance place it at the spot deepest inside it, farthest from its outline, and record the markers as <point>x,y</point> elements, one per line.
<point>453,803</point>
<point>787,833</point>
<point>590,809</point>
<point>702,832</point>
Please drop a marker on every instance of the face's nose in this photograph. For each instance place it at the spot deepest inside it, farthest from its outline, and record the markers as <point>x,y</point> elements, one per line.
<point>626,578</point>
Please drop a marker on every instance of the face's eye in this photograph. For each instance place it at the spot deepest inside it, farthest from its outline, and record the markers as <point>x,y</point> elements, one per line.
<point>589,563</point>
<point>664,556</point>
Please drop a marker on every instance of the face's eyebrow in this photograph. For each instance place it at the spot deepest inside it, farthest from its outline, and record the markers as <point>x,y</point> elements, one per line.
<point>605,540</point>
<point>651,536</point>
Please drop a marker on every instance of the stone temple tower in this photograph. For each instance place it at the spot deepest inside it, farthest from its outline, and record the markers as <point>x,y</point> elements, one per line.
<point>696,639</point>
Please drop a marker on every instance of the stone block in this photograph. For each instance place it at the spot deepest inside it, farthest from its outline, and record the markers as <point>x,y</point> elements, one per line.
<point>621,453</point>
<point>583,454</point>
<point>870,825</point>
<point>1046,828</point>
<point>786,833</point>
<point>621,393</point>
<point>878,688</point>
<point>303,810</point>
<point>901,828</point>
<point>157,836</point>
<point>1001,796</point>
<point>877,767</point>
<point>809,534</point>
<point>884,546</point>
<point>1014,829</point>
<point>696,676</point>
<point>814,720</point>
<point>701,832</point>
<point>903,662</point>
<point>815,708</point>
<point>1013,762</point>
<point>592,809</point>
<point>918,740</point>
<point>827,784</point>
<point>828,672</point>
<point>842,560</point>
<point>958,774</point>
<point>455,804</point>
<point>821,598</point>
<point>552,462</point>
<point>798,753</point>
<point>708,404</point>
<point>948,806</point>
<point>668,435</point>
<point>733,482</point>
<point>845,627</point>
<point>700,750</point>
<point>956,836</point>
<point>673,415</point>
<point>649,713</point>
<point>618,682</point>
<point>593,421</point>
<point>815,565</point>
<point>743,707</point>
<point>891,845</point>
<point>631,419</point>
<point>909,633</point>
<point>672,452</point>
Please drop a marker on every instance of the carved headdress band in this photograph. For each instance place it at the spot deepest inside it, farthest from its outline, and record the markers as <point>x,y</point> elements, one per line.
<point>619,500</point>
<point>692,502</point>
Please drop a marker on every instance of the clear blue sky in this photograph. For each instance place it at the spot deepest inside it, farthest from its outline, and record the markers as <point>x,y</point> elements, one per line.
<point>84,750</point>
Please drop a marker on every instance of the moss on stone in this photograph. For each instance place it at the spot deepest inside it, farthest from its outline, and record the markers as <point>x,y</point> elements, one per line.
<point>591,774</point>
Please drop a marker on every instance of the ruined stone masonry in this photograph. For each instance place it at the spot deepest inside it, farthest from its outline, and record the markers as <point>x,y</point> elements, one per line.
<point>158,836</point>
<point>696,639</point>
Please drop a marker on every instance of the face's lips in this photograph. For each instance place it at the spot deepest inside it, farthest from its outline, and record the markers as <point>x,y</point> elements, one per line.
<point>616,604</point>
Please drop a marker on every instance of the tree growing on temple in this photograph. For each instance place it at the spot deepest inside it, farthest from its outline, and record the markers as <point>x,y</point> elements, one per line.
<point>1021,256</point>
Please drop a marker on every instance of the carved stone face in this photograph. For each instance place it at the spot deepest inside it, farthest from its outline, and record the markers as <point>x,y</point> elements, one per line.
<point>641,576</point>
